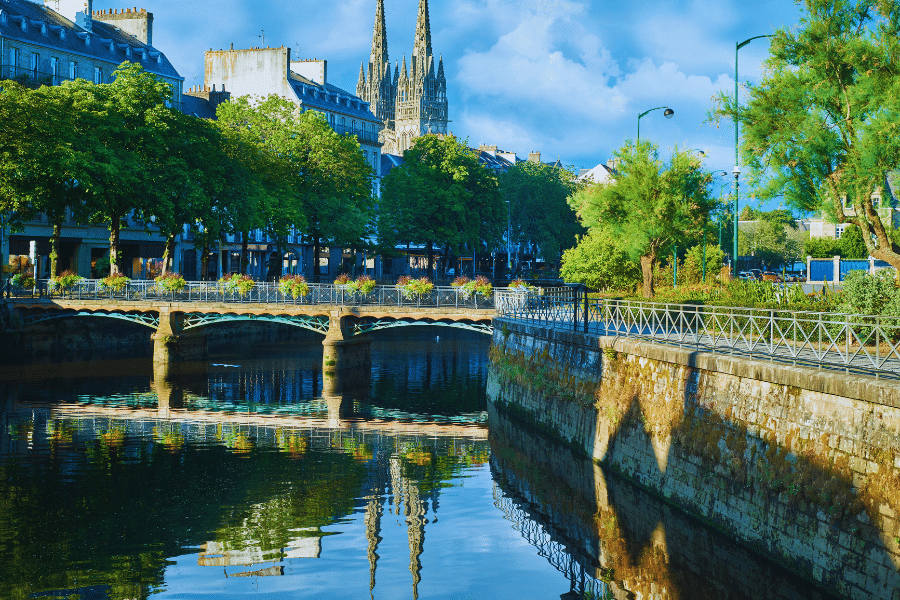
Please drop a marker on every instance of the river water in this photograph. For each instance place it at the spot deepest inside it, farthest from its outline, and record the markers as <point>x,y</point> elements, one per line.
<point>244,477</point>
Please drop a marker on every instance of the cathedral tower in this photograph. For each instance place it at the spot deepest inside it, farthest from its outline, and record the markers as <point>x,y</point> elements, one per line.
<point>412,102</point>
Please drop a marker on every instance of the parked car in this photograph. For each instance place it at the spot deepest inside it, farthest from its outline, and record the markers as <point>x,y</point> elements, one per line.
<point>746,276</point>
<point>771,276</point>
<point>757,274</point>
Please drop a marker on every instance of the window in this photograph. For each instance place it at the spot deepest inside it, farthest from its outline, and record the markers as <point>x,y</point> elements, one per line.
<point>14,61</point>
<point>54,69</point>
<point>839,231</point>
<point>35,60</point>
<point>73,69</point>
<point>98,75</point>
<point>876,202</point>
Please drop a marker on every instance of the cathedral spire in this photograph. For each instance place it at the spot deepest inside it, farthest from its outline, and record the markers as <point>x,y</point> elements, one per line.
<point>361,84</point>
<point>379,54</point>
<point>422,46</point>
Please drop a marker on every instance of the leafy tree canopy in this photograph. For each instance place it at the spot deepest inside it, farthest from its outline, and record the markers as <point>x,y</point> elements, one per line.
<point>823,125</point>
<point>440,195</point>
<point>600,262</point>
<point>650,205</point>
<point>541,219</point>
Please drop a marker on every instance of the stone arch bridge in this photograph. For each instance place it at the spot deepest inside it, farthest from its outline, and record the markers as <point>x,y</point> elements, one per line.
<point>179,327</point>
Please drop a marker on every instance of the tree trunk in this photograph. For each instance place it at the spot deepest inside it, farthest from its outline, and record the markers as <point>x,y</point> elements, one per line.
<point>54,246</point>
<point>204,262</point>
<point>115,224</point>
<point>647,261</point>
<point>168,253</point>
<point>316,251</point>
<point>429,250</point>
<point>245,252</point>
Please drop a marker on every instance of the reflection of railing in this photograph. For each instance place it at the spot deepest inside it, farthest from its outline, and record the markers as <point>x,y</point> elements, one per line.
<point>557,552</point>
<point>860,343</point>
<point>262,293</point>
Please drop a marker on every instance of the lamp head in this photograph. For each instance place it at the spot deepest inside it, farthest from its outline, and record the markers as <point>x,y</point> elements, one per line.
<point>668,113</point>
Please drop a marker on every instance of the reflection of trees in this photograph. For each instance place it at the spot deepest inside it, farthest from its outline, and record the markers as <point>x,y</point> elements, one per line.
<point>97,488</point>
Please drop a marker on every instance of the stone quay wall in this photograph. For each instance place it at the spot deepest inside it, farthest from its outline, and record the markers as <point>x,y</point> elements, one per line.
<point>800,465</point>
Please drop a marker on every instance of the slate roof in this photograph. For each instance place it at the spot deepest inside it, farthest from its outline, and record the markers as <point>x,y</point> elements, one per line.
<point>107,42</point>
<point>329,98</point>
<point>197,107</point>
<point>497,163</point>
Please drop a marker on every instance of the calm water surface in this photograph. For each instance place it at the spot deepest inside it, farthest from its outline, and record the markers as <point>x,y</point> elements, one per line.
<point>243,476</point>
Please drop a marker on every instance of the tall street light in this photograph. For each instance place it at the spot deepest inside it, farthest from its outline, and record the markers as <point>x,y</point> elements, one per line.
<point>737,162</point>
<point>508,240</point>
<point>667,113</point>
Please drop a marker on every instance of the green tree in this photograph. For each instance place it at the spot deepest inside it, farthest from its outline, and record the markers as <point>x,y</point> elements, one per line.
<point>601,263</point>
<point>313,178</point>
<point>41,161</point>
<point>119,128</point>
<point>822,247</point>
<point>440,195</point>
<point>651,205</point>
<point>821,127</point>
<point>852,243</point>
<point>541,219</point>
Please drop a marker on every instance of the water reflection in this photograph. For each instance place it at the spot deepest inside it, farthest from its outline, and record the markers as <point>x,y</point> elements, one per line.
<point>111,501</point>
<point>613,539</point>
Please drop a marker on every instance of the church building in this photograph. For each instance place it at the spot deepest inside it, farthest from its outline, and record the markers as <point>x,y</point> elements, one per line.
<point>411,102</point>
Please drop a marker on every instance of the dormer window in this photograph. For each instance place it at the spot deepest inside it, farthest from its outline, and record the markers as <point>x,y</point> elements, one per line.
<point>3,17</point>
<point>24,24</point>
<point>876,202</point>
<point>44,30</point>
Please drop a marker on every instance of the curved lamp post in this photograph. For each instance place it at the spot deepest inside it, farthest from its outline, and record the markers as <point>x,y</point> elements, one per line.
<point>737,169</point>
<point>667,113</point>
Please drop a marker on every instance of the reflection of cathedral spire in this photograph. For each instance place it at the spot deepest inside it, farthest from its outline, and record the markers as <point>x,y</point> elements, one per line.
<point>415,521</point>
<point>373,535</point>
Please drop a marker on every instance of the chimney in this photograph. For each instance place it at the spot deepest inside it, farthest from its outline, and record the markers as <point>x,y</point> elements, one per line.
<point>534,157</point>
<point>315,70</point>
<point>138,23</point>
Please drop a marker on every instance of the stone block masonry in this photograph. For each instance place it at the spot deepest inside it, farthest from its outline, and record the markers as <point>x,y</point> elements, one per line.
<point>798,464</point>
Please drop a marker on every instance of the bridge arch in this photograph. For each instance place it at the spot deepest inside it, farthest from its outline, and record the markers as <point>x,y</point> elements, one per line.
<point>366,326</point>
<point>317,323</point>
<point>148,319</point>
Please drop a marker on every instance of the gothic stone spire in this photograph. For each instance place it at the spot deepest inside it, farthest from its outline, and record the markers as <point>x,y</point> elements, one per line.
<point>379,55</point>
<point>422,47</point>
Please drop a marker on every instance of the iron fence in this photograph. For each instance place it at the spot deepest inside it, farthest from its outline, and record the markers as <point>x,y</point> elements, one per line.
<point>261,293</point>
<point>855,343</point>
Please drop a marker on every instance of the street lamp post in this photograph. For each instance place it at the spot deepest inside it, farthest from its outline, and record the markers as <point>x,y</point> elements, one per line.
<point>737,170</point>
<point>508,239</point>
<point>667,113</point>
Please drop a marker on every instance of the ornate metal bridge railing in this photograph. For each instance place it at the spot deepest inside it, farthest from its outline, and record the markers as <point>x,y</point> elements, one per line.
<point>867,344</point>
<point>262,293</point>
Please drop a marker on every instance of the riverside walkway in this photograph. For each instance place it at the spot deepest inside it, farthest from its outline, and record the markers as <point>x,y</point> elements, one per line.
<point>862,344</point>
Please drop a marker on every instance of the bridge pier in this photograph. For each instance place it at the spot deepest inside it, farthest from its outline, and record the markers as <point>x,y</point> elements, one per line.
<point>346,359</point>
<point>169,394</point>
<point>172,344</point>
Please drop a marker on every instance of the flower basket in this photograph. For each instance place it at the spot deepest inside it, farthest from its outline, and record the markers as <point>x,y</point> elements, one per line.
<point>520,286</point>
<point>237,283</point>
<point>170,282</point>
<point>480,285</point>
<point>415,289</point>
<point>23,280</point>
<point>293,285</point>
<point>365,284</point>
<point>114,283</point>
<point>64,282</point>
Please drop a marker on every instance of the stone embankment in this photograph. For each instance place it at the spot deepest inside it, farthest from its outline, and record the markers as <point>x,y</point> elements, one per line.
<point>798,464</point>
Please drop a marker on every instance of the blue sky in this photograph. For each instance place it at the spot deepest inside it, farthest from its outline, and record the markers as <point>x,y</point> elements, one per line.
<point>563,77</point>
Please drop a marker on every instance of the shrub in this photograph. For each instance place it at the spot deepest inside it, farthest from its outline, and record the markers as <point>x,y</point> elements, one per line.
<point>342,280</point>
<point>480,285</point>
<point>170,282</point>
<point>520,285</point>
<point>460,281</point>
<point>235,282</point>
<point>115,282</point>
<point>293,285</point>
<point>403,280</point>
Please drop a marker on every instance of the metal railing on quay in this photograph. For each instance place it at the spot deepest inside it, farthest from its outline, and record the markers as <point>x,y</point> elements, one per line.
<point>260,293</point>
<point>868,344</point>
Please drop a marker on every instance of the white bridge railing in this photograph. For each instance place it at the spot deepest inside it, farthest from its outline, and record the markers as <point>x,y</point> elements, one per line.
<point>261,293</point>
<point>856,343</point>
